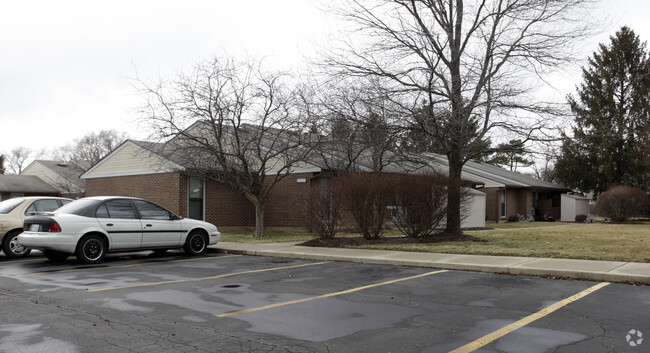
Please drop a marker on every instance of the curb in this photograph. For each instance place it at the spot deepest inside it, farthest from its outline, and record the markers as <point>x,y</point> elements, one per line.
<point>590,270</point>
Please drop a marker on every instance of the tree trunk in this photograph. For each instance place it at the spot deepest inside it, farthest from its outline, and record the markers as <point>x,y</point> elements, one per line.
<point>453,195</point>
<point>259,220</point>
<point>259,214</point>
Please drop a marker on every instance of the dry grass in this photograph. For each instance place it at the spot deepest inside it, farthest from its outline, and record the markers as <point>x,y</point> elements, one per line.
<point>598,241</point>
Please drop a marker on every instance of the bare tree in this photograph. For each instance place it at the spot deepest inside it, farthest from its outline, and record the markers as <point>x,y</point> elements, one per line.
<point>354,126</point>
<point>2,163</point>
<point>233,122</point>
<point>470,60</point>
<point>89,149</point>
<point>19,158</point>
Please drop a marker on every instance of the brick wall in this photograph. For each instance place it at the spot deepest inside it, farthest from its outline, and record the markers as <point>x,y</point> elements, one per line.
<point>165,189</point>
<point>285,204</point>
<point>492,203</point>
<point>226,207</point>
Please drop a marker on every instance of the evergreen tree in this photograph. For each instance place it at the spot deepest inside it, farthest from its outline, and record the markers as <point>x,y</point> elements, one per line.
<point>511,155</point>
<point>612,112</point>
<point>2,164</point>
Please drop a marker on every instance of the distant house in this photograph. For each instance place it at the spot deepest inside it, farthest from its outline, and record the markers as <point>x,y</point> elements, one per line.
<point>24,185</point>
<point>63,176</point>
<point>509,193</point>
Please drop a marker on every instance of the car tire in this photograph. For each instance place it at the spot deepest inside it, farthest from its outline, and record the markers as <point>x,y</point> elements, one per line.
<point>91,249</point>
<point>196,243</point>
<point>55,256</point>
<point>11,248</point>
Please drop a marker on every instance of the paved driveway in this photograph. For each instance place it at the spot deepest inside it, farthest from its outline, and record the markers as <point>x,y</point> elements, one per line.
<point>231,303</point>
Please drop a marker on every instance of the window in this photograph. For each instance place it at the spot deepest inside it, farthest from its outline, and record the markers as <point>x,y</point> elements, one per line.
<point>9,205</point>
<point>42,206</point>
<point>102,211</point>
<point>503,204</point>
<point>120,209</point>
<point>150,210</point>
<point>195,201</point>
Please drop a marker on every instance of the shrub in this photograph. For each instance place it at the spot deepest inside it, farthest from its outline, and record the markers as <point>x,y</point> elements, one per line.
<point>513,218</point>
<point>581,218</point>
<point>621,202</point>
<point>366,196</point>
<point>419,203</point>
<point>323,210</point>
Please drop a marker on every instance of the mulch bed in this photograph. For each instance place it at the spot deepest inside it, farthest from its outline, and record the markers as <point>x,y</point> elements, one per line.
<point>358,241</point>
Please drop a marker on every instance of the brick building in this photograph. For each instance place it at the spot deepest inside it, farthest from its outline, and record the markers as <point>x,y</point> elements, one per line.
<point>509,193</point>
<point>139,169</point>
<point>135,169</point>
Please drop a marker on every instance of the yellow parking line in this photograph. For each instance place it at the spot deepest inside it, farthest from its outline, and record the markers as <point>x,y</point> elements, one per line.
<point>118,266</point>
<point>205,278</point>
<point>487,339</point>
<point>328,295</point>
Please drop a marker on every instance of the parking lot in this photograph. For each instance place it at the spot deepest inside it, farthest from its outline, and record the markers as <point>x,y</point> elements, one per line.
<point>228,303</point>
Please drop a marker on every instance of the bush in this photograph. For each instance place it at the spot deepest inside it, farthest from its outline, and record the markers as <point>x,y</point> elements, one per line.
<point>419,203</point>
<point>366,196</point>
<point>581,218</point>
<point>513,218</point>
<point>622,202</point>
<point>323,210</point>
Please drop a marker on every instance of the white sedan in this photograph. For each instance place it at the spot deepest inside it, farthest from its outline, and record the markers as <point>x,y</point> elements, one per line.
<point>92,226</point>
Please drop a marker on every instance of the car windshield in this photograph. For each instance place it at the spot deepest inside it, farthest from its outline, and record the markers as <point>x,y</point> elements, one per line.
<point>9,205</point>
<point>77,207</point>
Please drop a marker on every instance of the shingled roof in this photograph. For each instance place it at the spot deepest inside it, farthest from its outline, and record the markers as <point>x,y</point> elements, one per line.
<point>25,184</point>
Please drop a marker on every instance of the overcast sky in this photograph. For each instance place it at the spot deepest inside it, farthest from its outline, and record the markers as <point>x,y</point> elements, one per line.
<point>65,65</point>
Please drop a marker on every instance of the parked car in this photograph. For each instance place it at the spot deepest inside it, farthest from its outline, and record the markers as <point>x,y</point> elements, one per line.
<point>12,214</point>
<point>93,226</point>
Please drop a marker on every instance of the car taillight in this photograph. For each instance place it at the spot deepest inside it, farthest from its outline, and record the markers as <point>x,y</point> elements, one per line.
<point>54,227</point>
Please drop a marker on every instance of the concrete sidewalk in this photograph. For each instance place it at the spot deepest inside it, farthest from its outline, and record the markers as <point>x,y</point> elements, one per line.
<point>609,271</point>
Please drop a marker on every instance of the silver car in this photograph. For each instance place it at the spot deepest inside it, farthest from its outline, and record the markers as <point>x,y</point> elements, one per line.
<point>93,226</point>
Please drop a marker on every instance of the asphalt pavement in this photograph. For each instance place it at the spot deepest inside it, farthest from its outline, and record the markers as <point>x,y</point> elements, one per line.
<point>609,271</point>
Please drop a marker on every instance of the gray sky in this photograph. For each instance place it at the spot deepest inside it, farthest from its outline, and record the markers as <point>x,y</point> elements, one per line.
<point>65,65</point>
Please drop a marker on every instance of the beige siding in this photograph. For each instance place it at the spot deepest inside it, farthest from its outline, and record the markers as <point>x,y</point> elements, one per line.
<point>475,217</point>
<point>130,159</point>
<point>50,177</point>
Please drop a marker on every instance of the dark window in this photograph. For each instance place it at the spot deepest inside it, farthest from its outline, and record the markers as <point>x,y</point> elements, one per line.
<point>42,206</point>
<point>150,210</point>
<point>102,211</point>
<point>81,207</point>
<point>196,198</point>
<point>120,209</point>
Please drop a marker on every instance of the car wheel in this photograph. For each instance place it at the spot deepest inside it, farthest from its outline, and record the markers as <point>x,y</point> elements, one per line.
<point>196,243</point>
<point>12,248</point>
<point>55,256</point>
<point>91,249</point>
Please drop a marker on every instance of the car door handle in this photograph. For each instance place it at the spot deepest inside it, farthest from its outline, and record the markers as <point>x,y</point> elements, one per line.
<point>109,224</point>
<point>148,225</point>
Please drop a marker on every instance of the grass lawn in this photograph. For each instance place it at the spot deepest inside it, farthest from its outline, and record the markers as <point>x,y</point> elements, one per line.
<point>598,241</point>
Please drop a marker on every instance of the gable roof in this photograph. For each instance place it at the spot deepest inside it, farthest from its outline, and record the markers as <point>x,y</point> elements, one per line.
<point>133,157</point>
<point>71,172</point>
<point>497,176</point>
<point>25,184</point>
